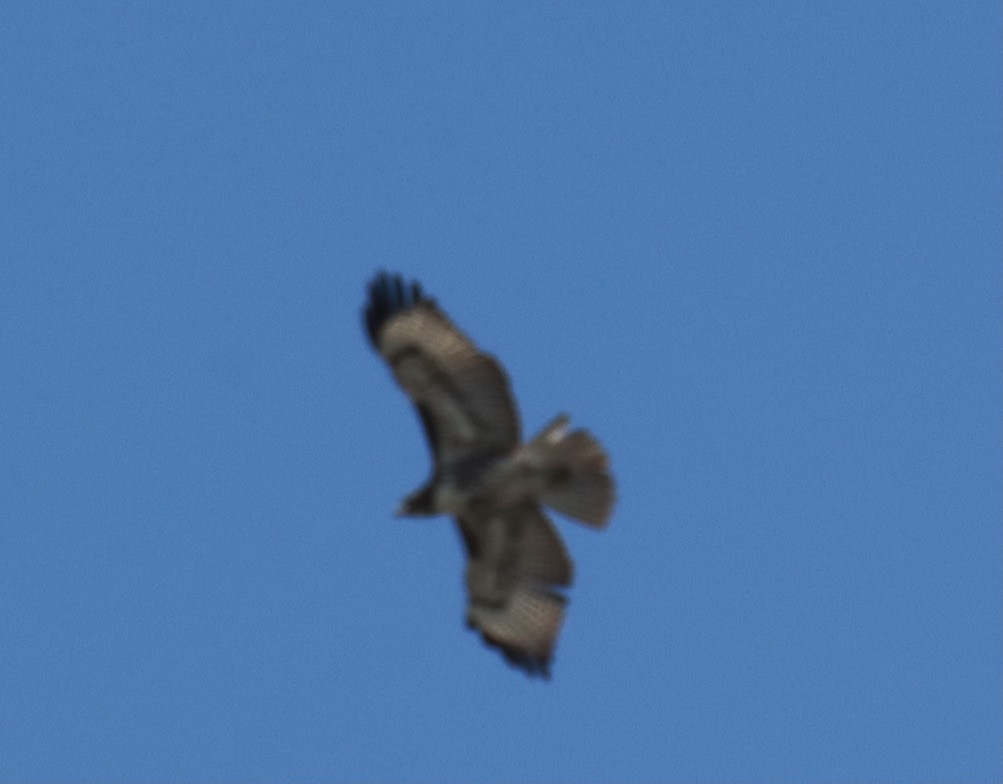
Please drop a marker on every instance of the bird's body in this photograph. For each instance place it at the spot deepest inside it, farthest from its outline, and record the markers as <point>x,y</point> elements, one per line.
<point>486,478</point>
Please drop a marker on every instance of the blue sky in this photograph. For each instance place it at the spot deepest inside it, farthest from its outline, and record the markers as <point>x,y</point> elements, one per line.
<point>754,247</point>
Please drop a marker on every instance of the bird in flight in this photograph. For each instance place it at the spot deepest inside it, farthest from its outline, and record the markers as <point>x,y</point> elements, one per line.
<point>484,476</point>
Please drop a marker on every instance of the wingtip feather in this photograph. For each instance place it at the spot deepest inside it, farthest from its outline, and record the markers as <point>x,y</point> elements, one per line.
<point>390,294</point>
<point>525,630</point>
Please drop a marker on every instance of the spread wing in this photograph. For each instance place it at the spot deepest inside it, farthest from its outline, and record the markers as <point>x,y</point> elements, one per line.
<point>462,394</point>
<point>516,558</point>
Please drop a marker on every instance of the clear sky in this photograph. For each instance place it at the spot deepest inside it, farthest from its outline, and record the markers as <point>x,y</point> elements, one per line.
<point>754,247</point>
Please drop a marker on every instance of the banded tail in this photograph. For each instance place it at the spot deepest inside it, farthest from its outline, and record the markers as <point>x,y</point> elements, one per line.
<point>574,473</point>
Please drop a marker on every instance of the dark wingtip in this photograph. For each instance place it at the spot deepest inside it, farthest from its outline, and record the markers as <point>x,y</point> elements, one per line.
<point>388,296</point>
<point>534,666</point>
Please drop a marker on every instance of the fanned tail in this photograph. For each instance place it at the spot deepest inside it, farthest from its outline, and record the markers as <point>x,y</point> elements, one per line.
<point>573,470</point>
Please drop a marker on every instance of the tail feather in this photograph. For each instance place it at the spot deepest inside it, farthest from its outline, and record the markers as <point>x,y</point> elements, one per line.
<point>574,472</point>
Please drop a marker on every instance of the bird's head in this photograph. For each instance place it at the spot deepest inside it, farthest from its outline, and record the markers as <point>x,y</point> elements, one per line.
<point>420,503</point>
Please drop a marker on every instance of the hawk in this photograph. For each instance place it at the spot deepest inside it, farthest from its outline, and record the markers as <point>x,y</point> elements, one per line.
<point>486,478</point>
